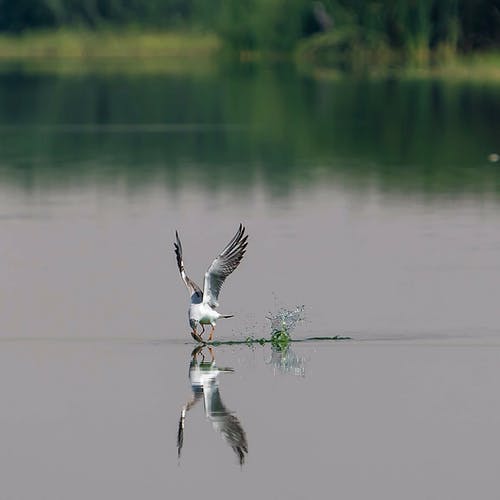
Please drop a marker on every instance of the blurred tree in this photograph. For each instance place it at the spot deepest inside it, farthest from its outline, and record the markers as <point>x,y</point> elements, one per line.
<point>416,26</point>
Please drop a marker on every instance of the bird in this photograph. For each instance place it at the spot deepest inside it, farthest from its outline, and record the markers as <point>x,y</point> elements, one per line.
<point>205,385</point>
<point>203,305</point>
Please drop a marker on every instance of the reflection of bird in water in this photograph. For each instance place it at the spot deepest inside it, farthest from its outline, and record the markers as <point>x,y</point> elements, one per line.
<point>204,384</point>
<point>204,303</point>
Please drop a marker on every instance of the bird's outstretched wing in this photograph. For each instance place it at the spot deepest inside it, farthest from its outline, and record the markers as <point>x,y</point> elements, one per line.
<point>233,433</point>
<point>180,432</point>
<point>193,288</point>
<point>228,424</point>
<point>223,266</point>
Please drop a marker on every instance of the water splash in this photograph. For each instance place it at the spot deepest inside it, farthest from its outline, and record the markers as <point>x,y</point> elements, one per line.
<point>283,358</point>
<point>285,320</point>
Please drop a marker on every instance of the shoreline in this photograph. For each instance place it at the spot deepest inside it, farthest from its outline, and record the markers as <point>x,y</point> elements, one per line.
<point>170,51</point>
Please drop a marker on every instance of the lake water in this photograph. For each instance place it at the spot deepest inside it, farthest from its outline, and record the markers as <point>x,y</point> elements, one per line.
<point>371,202</point>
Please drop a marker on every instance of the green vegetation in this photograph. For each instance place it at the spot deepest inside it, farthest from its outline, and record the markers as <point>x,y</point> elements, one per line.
<point>328,32</point>
<point>281,337</point>
<point>20,15</point>
<point>394,33</point>
<point>282,344</point>
<point>67,44</point>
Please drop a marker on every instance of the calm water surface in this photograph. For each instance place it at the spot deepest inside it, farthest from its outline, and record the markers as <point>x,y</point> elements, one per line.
<point>371,203</point>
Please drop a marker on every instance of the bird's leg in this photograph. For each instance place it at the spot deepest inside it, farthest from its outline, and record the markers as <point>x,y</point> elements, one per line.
<point>195,352</point>
<point>202,329</point>
<point>211,354</point>
<point>195,336</point>
<point>211,333</point>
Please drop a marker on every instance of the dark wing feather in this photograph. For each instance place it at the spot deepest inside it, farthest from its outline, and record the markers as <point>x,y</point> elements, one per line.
<point>193,288</point>
<point>223,266</point>
<point>228,424</point>
<point>180,431</point>
<point>233,433</point>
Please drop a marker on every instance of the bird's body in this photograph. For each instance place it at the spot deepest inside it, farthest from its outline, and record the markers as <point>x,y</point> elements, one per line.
<point>202,309</point>
<point>203,314</point>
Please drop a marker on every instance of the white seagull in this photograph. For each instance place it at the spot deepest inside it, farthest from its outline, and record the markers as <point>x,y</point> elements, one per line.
<point>202,310</point>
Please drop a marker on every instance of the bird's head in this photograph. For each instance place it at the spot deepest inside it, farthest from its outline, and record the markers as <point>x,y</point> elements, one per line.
<point>193,323</point>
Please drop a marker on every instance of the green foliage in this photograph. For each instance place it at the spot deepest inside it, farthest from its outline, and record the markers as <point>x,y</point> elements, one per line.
<point>417,28</point>
<point>270,25</point>
<point>349,47</point>
<point>20,15</point>
<point>280,338</point>
<point>383,31</point>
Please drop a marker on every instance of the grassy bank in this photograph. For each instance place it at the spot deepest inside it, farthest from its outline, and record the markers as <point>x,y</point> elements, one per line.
<point>84,44</point>
<point>482,66</point>
<point>129,51</point>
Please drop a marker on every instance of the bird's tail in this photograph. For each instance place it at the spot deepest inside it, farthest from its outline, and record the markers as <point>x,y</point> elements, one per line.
<point>227,316</point>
